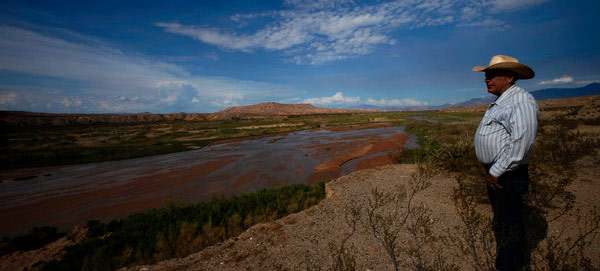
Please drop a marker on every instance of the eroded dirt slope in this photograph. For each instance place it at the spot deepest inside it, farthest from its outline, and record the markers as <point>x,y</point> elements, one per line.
<point>301,241</point>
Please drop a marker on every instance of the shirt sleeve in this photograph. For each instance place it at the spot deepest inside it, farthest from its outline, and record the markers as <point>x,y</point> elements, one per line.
<point>522,127</point>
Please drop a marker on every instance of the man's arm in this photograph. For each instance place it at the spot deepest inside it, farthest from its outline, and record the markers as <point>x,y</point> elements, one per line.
<point>522,126</point>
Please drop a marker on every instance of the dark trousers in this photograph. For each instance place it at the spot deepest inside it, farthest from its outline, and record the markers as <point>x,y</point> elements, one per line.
<point>509,220</point>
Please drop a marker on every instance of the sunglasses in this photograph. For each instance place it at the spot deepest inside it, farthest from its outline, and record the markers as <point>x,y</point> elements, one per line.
<point>492,74</point>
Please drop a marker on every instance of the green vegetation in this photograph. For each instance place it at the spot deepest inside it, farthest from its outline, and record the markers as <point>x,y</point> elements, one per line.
<point>177,231</point>
<point>61,145</point>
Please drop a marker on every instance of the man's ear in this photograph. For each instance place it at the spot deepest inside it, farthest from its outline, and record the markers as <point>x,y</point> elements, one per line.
<point>513,77</point>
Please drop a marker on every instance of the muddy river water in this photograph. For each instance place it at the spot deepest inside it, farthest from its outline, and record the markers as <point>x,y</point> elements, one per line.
<point>69,195</point>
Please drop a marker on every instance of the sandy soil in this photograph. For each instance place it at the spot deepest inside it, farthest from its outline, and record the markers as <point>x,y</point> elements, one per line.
<point>376,161</point>
<point>345,152</point>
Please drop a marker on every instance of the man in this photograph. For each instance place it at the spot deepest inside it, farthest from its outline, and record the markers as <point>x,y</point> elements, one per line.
<point>503,144</point>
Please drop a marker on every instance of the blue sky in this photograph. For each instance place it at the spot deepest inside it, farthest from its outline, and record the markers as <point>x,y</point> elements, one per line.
<point>204,56</point>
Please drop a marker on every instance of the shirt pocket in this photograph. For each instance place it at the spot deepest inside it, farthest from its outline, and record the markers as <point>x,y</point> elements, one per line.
<point>487,126</point>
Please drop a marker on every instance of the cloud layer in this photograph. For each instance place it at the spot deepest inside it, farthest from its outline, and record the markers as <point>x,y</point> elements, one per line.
<point>99,78</point>
<point>319,31</point>
<point>565,79</point>
<point>339,100</point>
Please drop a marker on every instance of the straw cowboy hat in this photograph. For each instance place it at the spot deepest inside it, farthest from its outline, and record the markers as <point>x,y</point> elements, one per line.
<point>508,63</point>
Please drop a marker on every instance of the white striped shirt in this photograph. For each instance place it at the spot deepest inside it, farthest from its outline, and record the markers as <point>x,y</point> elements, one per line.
<point>504,139</point>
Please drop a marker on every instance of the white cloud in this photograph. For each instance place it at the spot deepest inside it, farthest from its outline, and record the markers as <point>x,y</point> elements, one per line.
<point>8,98</point>
<point>29,52</point>
<point>227,100</point>
<point>340,100</point>
<point>337,99</point>
<point>318,4</point>
<point>562,80</point>
<point>395,102</point>
<point>587,82</point>
<point>68,102</point>
<point>511,5</point>
<point>109,105</point>
<point>320,31</point>
<point>325,36</point>
<point>108,79</point>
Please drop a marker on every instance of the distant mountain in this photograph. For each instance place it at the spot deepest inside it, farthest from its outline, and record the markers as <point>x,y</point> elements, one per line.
<point>274,109</point>
<point>475,101</point>
<point>553,93</point>
<point>542,94</point>
<point>547,93</point>
<point>256,111</point>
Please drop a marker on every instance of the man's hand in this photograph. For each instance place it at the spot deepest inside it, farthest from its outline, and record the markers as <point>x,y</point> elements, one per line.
<point>492,181</point>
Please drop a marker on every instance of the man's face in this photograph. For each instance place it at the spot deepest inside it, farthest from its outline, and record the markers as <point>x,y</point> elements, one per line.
<point>498,81</point>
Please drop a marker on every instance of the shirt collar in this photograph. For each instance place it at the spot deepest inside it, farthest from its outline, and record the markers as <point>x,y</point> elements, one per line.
<point>506,95</point>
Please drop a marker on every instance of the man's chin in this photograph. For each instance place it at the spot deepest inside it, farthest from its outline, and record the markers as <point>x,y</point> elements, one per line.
<point>493,92</point>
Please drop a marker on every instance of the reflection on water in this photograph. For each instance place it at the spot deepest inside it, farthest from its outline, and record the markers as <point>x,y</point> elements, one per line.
<point>76,193</point>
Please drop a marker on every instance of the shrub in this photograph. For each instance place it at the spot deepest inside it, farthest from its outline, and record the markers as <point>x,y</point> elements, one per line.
<point>176,230</point>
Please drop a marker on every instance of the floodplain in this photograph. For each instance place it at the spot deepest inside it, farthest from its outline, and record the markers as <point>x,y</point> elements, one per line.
<point>37,146</point>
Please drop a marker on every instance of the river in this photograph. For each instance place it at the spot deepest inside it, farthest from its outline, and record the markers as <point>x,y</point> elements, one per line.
<point>69,195</point>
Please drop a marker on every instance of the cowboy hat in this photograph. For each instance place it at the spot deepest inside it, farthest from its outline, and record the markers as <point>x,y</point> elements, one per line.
<point>508,63</point>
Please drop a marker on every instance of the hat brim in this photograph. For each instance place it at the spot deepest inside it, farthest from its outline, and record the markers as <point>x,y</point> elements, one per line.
<point>524,71</point>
